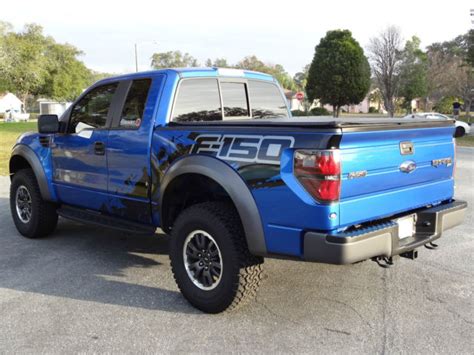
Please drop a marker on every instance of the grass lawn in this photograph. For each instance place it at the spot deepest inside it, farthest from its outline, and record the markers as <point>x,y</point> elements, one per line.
<point>9,132</point>
<point>466,141</point>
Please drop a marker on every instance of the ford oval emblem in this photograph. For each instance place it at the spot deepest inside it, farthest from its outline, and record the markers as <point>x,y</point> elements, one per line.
<point>407,166</point>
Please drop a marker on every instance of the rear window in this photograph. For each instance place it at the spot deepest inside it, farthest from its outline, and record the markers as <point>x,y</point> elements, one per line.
<point>234,97</point>
<point>266,100</point>
<point>197,100</point>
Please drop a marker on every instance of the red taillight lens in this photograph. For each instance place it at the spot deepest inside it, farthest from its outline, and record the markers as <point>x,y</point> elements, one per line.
<point>319,173</point>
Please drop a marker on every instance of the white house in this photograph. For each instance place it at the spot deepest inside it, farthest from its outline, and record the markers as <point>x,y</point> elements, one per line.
<point>52,107</point>
<point>9,102</point>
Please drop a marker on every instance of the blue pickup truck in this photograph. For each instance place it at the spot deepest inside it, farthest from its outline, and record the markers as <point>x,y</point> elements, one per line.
<point>213,158</point>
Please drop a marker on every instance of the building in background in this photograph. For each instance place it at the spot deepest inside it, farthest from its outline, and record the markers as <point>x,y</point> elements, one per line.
<point>50,107</point>
<point>10,103</point>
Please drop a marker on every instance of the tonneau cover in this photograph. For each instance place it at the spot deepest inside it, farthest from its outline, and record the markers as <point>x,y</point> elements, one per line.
<point>362,123</point>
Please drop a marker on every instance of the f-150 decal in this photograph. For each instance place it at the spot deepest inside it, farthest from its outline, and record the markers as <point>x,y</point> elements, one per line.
<point>246,148</point>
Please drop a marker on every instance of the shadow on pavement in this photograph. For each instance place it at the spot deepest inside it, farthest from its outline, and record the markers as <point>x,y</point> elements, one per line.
<point>91,264</point>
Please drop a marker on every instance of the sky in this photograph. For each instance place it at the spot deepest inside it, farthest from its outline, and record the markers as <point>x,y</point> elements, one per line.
<point>278,32</point>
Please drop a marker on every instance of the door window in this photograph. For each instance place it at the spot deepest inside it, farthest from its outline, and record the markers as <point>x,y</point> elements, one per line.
<point>92,110</point>
<point>132,113</point>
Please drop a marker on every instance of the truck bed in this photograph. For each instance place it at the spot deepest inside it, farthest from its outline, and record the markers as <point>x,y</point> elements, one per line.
<point>372,183</point>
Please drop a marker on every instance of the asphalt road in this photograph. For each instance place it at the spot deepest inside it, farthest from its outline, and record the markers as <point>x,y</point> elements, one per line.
<point>87,289</point>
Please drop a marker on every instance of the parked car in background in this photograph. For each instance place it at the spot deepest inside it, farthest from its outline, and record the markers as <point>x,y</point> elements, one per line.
<point>462,128</point>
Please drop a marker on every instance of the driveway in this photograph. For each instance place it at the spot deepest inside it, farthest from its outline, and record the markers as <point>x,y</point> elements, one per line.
<point>87,289</point>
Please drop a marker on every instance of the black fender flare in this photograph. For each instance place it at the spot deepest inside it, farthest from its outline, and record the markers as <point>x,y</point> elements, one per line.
<point>29,155</point>
<point>233,184</point>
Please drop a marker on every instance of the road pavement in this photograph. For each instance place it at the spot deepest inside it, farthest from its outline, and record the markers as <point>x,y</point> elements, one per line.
<point>88,289</point>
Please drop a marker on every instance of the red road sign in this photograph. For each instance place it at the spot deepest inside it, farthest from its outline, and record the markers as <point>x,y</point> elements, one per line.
<point>300,95</point>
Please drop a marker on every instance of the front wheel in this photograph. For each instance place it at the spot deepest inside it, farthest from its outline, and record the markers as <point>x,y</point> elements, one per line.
<point>210,259</point>
<point>33,217</point>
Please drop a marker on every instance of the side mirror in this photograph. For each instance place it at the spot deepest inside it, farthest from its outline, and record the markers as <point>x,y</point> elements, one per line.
<point>48,124</point>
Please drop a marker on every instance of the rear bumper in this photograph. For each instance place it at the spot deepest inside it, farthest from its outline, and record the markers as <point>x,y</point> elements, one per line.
<point>382,239</point>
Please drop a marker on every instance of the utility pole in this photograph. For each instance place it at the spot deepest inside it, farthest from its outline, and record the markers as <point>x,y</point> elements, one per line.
<point>136,51</point>
<point>136,58</point>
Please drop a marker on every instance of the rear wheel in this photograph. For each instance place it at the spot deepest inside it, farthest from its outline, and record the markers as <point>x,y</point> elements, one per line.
<point>33,217</point>
<point>210,259</point>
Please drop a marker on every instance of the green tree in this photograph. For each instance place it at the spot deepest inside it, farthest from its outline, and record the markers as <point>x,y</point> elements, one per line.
<point>218,62</point>
<point>413,71</point>
<point>375,96</point>
<point>66,76</point>
<point>470,48</point>
<point>173,59</point>
<point>253,63</point>
<point>339,73</point>
<point>33,64</point>
<point>445,105</point>
<point>23,68</point>
<point>5,27</point>
<point>300,78</point>
<point>450,70</point>
<point>95,76</point>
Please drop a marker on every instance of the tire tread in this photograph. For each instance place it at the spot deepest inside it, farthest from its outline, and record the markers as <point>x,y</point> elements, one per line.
<point>250,266</point>
<point>47,217</point>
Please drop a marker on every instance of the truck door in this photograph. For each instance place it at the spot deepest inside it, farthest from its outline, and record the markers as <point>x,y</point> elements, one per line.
<point>79,155</point>
<point>128,151</point>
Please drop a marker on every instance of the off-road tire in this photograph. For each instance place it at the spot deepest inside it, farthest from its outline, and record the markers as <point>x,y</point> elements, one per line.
<point>241,272</point>
<point>44,218</point>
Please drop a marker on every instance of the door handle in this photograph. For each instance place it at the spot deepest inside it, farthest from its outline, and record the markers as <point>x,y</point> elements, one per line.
<point>99,148</point>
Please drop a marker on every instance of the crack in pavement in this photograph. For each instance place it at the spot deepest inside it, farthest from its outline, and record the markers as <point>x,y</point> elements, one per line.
<point>273,313</point>
<point>337,331</point>
<point>351,308</point>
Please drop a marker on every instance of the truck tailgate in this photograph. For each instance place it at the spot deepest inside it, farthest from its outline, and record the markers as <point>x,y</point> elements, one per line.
<point>382,176</point>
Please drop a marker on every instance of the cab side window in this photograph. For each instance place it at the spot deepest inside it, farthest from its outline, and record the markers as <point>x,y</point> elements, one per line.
<point>197,100</point>
<point>132,113</point>
<point>92,110</point>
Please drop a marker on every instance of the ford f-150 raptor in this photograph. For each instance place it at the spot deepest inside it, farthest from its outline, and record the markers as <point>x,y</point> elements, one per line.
<point>214,158</point>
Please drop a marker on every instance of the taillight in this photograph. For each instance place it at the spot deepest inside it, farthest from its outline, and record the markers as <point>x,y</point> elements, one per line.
<point>319,171</point>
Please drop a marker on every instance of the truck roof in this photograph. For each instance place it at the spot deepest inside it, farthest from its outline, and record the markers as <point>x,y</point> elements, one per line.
<point>197,72</point>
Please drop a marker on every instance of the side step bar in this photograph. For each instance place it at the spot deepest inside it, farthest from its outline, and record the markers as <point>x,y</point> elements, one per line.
<point>97,218</point>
